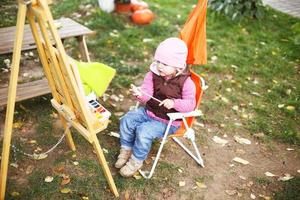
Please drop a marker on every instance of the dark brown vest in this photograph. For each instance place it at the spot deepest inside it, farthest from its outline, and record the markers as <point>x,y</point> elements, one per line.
<point>165,89</point>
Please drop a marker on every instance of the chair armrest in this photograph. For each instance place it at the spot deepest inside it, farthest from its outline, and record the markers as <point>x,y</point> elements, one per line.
<point>178,115</point>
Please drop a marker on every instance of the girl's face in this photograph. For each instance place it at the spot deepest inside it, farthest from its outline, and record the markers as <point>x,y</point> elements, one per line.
<point>165,70</point>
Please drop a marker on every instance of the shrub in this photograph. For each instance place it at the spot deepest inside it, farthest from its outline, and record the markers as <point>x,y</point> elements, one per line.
<point>238,9</point>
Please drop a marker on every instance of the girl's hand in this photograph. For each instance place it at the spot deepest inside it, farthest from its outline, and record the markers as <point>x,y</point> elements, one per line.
<point>168,103</point>
<point>135,91</point>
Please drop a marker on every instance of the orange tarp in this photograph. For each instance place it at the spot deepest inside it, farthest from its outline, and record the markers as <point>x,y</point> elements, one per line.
<point>194,34</point>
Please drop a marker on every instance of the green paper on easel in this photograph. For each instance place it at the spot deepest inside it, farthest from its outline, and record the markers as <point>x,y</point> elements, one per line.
<point>95,76</point>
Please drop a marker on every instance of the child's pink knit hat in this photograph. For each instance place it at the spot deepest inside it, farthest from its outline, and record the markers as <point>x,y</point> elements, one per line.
<point>173,52</point>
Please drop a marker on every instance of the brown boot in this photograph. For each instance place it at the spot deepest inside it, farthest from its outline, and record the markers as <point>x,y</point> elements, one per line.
<point>123,158</point>
<point>131,167</point>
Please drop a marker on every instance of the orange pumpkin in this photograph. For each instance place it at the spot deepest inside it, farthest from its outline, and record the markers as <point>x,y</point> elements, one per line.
<point>140,5</point>
<point>142,16</point>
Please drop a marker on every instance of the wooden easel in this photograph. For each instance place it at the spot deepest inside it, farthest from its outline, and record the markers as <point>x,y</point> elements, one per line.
<point>64,81</point>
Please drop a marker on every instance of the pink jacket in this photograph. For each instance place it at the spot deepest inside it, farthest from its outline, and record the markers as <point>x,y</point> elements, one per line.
<point>186,104</point>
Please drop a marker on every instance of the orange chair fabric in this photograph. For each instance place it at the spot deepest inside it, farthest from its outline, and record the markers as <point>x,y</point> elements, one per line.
<point>194,34</point>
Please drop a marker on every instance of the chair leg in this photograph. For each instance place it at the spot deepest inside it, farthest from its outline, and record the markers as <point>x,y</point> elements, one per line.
<point>147,174</point>
<point>196,157</point>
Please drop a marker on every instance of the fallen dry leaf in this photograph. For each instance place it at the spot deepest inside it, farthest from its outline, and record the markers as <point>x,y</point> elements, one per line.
<point>242,177</point>
<point>38,149</point>
<point>269,174</point>
<point>239,194</point>
<point>231,192</point>
<point>29,169</point>
<point>198,124</point>
<point>286,177</point>
<point>240,160</point>
<point>259,135</point>
<point>17,125</point>
<point>6,61</point>
<point>238,124</point>
<point>104,150</point>
<point>115,97</point>
<point>240,151</point>
<point>148,161</point>
<point>201,185</point>
<point>252,196</point>
<point>15,165</point>
<point>236,108</point>
<point>180,170</point>
<point>48,179</point>
<point>119,114</point>
<point>54,115</point>
<point>65,190</point>
<point>241,140</point>
<point>137,176</point>
<point>32,142</point>
<point>181,183</point>
<point>114,134</point>
<point>65,179</point>
<point>264,197</point>
<point>75,163</point>
<point>228,89</point>
<point>214,58</point>
<point>224,99</point>
<point>290,108</point>
<point>255,94</point>
<point>250,183</point>
<point>167,192</point>
<point>105,96</point>
<point>280,105</point>
<point>245,116</point>
<point>59,169</point>
<point>127,195</point>
<point>219,140</point>
<point>145,40</point>
<point>234,66</point>
<point>39,156</point>
<point>15,194</point>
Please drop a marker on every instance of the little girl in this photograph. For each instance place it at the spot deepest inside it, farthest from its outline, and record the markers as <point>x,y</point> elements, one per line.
<point>173,91</point>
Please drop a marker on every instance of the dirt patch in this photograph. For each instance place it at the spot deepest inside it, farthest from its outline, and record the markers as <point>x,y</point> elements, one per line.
<point>221,173</point>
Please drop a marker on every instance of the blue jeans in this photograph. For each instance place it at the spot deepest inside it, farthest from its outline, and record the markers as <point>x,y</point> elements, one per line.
<point>138,130</point>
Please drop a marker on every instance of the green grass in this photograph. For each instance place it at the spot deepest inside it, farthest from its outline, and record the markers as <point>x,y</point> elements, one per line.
<point>262,181</point>
<point>290,190</point>
<point>257,60</point>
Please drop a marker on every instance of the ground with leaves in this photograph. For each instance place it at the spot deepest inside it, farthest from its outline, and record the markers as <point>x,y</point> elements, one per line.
<point>253,93</point>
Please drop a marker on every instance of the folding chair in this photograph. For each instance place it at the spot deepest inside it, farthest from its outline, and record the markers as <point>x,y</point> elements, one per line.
<point>185,129</point>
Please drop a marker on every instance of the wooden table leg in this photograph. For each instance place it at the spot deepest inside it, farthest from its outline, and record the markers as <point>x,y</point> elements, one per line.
<point>83,48</point>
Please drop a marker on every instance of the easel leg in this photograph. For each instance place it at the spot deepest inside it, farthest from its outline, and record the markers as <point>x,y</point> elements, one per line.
<point>104,166</point>
<point>68,135</point>
<point>83,48</point>
<point>12,97</point>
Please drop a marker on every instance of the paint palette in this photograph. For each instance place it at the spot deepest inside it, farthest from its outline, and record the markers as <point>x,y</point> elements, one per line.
<point>100,112</point>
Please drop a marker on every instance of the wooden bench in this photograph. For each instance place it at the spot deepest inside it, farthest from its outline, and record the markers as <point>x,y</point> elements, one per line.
<point>67,28</point>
